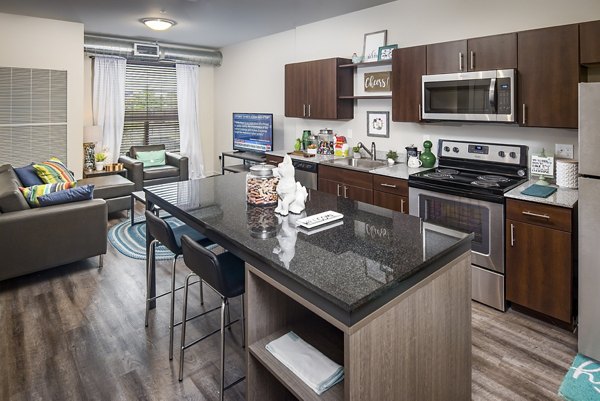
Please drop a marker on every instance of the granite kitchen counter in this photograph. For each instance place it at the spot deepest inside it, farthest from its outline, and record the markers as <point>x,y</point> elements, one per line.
<point>315,159</point>
<point>563,197</point>
<point>348,269</point>
<point>399,170</point>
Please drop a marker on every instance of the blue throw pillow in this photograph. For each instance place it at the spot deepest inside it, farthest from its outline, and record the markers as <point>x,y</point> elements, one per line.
<point>28,176</point>
<point>85,192</point>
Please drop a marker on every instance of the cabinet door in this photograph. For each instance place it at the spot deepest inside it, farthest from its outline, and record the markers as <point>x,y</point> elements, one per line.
<point>391,201</point>
<point>331,187</point>
<point>357,193</point>
<point>548,62</point>
<point>324,83</point>
<point>273,160</point>
<point>589,46</point>
<point>447,57</point>
<point>408,65</point>
<point>496,52</point>
<point>295,90</point>
<point>539,269</point>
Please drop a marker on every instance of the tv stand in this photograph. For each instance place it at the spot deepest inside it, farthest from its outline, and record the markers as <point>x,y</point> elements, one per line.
<point>249,159</point>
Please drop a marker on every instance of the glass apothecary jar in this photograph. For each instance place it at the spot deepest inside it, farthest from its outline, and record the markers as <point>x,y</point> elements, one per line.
<point>261,185</point>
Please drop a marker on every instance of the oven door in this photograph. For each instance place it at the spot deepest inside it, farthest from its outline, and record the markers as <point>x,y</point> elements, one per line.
<point>484,219</point>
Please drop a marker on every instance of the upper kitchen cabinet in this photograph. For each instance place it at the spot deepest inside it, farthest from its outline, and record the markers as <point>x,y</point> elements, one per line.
<point>589,46</point>
<point>312,89</point>
<point>408,65</point>
<point>495,52</point>
<point>548,64</point>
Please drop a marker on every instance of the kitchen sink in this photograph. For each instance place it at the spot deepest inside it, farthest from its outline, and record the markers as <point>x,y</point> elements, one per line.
<point>359,164</point>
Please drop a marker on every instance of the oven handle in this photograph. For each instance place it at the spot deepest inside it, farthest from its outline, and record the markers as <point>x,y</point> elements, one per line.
<point>450,191</point>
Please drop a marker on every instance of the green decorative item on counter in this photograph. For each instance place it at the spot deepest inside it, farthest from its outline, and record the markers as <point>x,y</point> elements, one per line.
<point>305,139</point>
<point>298,144</point>
<point>427,157</point>
<point>392,154</point>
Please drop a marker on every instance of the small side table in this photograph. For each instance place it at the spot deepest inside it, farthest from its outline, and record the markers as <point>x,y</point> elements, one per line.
<point>94,173</point>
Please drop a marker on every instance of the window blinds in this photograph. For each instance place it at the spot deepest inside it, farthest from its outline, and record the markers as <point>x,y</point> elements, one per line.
<point>150,107</point>
<point>33,115</point>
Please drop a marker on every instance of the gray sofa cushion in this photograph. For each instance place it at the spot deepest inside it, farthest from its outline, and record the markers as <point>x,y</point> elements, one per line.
<point>152,173</point>
<point>11,199</point>
<point>109,186</point>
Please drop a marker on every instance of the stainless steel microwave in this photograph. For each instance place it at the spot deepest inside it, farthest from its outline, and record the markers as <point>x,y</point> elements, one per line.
<point>470,96</point>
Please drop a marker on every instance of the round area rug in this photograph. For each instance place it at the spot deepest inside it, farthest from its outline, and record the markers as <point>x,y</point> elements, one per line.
<point>131,241</point>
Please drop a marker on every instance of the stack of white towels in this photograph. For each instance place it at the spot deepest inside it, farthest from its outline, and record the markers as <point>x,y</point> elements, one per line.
<point>305,361</point>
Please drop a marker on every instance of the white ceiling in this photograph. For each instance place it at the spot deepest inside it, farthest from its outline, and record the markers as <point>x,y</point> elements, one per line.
<point>205,23</point>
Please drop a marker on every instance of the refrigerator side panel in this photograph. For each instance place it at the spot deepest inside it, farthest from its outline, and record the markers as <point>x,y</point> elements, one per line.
<point>589,267</point>
<point>589,129</point>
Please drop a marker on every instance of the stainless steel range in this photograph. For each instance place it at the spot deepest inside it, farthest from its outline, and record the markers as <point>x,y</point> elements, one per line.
<point>466,193</point>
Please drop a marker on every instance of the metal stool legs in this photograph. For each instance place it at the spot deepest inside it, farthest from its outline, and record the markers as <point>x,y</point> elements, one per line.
<point>172,317</point>
<point>148,279</point>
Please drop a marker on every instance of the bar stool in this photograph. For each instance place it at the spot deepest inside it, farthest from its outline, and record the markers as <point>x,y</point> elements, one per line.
<point>171,239</point>
<point>225,274</point>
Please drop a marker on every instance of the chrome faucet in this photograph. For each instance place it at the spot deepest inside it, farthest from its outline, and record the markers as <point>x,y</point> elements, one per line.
<point>372,153</point>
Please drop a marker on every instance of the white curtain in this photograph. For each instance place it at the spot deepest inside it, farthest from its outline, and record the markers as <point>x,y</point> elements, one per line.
<point>109,101</point>
<point>187,109</point>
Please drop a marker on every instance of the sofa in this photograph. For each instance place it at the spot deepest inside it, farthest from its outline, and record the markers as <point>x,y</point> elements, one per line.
<point>35,239</point>
<point>175,168</point>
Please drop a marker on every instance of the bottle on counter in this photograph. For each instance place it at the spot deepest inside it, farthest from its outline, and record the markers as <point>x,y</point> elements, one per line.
<point>306,134</point>
<point>427,157</point>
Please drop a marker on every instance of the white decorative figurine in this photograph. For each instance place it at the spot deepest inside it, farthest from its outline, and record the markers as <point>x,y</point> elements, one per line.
<point>286,189</point>
<point>287,235</point>
<point>297,205</point>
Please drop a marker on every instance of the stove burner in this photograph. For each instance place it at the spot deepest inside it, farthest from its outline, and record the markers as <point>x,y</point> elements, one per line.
<point>493,178</point>
<point>447,171</point>
<point>485,184</point>
<point>439,174</point>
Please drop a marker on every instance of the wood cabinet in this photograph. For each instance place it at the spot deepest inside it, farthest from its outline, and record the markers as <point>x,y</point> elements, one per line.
<point>495,52</point>
<point>273,160</point>
<point>390,193</point>
<point>549,72</point>
<point>346,183</point>
<point>408,65</point>
<point>312,89</point>
<point>589,46</point>
<point>539,258</point>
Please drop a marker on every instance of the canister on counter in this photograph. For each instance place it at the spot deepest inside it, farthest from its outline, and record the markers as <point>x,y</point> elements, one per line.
<point>261,185</point>
<point>411,151</point>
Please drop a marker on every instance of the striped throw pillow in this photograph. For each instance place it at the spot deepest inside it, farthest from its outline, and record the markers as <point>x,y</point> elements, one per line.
<point>53,171</point>
<point>32,193</point>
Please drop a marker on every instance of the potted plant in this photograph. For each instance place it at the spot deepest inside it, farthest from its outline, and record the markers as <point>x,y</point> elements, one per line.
<point>392,155</point>
<point>100,160</point>
<point>356,152</point>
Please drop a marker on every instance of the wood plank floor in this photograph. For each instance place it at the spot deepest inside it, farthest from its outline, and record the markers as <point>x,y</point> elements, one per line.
<point>77,333</point>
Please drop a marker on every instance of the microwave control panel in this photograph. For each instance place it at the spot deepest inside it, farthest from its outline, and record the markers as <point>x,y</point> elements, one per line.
<point>504,89</point>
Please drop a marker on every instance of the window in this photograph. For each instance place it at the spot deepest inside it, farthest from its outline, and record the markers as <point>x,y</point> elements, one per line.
<point>150,107</point>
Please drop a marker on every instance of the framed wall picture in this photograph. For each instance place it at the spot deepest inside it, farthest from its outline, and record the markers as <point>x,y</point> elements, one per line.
<point>385,52</point>
<point>378,124</point>
<point>373,41</point>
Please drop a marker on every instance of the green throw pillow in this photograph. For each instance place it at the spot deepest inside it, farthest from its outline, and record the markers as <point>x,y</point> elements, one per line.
<point>152,158</point>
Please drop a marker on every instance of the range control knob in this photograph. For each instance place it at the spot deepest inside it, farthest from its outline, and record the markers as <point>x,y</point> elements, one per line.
<point>512,155</point>
<point>446,148</point>
<point>501,153</point>
<point>455,149</point>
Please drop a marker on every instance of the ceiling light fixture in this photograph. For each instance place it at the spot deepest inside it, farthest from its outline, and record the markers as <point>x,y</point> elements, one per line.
<point>158,24</point>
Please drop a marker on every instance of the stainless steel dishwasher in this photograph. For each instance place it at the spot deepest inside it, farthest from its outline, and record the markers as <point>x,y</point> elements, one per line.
<point>306,173</point>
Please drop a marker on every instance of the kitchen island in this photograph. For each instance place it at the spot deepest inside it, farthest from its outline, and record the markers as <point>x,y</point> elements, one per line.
<point>378,292</point>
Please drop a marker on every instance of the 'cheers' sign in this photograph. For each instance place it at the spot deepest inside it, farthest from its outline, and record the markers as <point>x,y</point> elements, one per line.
<point>378,81</point>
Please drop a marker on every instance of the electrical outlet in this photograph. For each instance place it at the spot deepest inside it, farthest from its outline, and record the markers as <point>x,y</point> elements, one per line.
<point>564,151</point>
<point>348,133</point>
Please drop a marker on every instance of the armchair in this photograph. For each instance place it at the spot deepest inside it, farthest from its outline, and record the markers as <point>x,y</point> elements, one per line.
<point>175,168</point>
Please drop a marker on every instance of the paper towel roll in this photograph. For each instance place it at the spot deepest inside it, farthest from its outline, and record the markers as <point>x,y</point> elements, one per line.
<point>566,173</point>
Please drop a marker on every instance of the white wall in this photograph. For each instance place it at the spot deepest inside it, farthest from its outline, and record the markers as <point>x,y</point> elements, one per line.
<point>252,76</point>
<point>27,42</point>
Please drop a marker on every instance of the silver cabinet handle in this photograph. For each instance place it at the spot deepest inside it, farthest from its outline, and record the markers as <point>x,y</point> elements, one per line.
<point>345,192</point>
<point>383,184</point>
<point>402,205</point>
<point>303,110</point>
<point>472,60</point>
<point>309,110</point>
<point>338,190</point>
<point>543,216</point>
<point>512,235</point>
<point>460,61</point>
<point>524,111</point>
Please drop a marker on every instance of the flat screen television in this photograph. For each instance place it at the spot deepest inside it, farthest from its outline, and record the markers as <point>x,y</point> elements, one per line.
<point>253,132</point>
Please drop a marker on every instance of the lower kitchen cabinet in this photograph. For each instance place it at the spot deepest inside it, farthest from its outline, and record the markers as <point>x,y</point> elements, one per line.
<point>390,201</point>
<point>346,191</point>
<point>539,258</point>
<point>391,193</point>
<point>346,183</point>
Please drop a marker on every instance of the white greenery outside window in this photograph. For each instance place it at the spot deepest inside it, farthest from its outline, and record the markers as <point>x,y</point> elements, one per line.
<point>150,107</point>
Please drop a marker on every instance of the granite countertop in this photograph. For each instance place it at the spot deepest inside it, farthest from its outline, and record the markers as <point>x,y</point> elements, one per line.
<point>564,197</point>
<point>348,270</point>
<point>398,170</point>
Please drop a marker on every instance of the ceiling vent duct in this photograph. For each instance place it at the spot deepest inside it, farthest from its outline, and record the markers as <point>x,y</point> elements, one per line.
<point>114,46</point>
